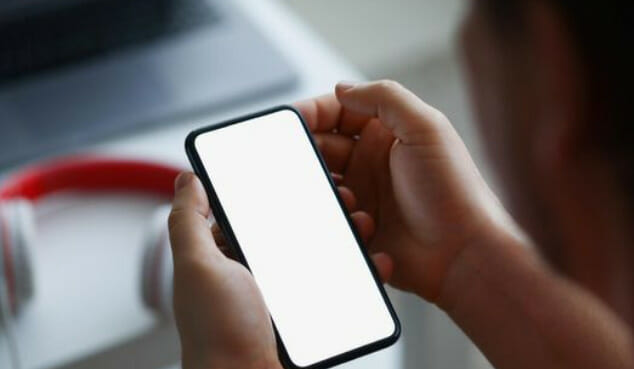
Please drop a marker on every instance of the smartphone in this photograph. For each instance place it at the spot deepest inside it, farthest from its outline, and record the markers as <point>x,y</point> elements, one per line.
<point>274,200</point>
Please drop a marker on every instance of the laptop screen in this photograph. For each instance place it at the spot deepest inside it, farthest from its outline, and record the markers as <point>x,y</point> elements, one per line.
<point>11,8</point>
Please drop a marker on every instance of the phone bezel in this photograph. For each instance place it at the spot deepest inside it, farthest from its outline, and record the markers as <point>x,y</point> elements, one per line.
<point>225,226</point>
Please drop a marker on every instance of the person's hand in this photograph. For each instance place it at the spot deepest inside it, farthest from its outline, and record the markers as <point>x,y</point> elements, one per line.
<point>221,317</point>
<point>411,172</point>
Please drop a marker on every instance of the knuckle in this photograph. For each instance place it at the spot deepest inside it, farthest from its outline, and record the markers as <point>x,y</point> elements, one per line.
<point>175,219</point>
<point>389,86</point>
<point>440,117</point>
<point>192,268</point>
<point>440,120</point>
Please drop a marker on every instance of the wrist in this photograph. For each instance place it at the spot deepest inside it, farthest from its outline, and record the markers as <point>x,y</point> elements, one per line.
<point>205,359</point>
<point>481,267</point>
<point>451,259</point>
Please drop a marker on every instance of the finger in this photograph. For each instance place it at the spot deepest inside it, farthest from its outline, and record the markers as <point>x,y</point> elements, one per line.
<point>384,266</point>
<point>325,114</point>
<point>348,198</point>
<point>336,150</point>
<point>402,112</point>
<point>337,178</point>
<point>219,237</point>
<point>321,113</point>
<point>228,252</point>
<point>221,241</point>
<point>190,236</point>
<point>364,224</point>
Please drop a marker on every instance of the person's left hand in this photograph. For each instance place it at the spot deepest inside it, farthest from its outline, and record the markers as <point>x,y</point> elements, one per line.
<point>221,316</point>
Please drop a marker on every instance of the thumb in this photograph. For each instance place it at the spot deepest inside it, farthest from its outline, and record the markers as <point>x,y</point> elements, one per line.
<point>190,233</point>
<point>403,113</point>
<point>384,266</point>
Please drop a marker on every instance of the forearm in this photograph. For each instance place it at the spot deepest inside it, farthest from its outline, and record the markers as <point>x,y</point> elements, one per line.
<point>521,315</point>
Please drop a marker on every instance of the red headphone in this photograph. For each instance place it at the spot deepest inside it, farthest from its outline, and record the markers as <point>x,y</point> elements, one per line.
<point>22,190</point>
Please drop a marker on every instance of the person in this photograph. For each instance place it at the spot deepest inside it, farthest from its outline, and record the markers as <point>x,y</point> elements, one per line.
<point>548,284</point>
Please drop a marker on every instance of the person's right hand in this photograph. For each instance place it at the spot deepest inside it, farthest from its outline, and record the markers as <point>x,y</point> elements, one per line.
<point>408,169</point>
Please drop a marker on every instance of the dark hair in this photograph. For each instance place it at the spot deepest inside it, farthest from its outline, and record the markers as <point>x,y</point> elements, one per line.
<point>603,32</point>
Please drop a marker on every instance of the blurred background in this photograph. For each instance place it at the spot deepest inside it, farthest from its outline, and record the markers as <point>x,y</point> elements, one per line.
<point>127,79</point>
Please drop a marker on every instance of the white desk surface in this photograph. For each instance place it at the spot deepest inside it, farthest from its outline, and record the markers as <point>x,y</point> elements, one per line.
<point>87,312</point>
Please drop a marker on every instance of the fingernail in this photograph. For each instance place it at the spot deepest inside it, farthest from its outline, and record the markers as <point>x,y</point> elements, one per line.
<point>318,142</point>
<point>183,180</point>
<point>345,85</point>
<point>337,178</point>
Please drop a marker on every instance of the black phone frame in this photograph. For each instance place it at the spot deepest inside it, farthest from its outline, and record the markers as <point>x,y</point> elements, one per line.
<point>231,240</point>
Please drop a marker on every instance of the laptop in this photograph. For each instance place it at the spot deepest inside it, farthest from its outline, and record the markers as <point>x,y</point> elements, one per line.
<point>76,71</point>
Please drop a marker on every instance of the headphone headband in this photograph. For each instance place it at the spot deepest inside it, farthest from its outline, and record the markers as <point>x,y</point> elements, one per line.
<point>91,174</point>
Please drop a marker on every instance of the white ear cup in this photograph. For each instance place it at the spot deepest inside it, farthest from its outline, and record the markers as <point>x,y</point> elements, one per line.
<point>157,270</point>
<point>25,227</point>
<point>17,231</point>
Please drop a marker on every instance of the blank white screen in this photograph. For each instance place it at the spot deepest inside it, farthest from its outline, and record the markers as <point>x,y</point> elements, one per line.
<point>294,236</point>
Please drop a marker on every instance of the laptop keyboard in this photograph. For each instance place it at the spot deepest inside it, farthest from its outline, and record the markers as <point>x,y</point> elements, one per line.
<point>36,43</point>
